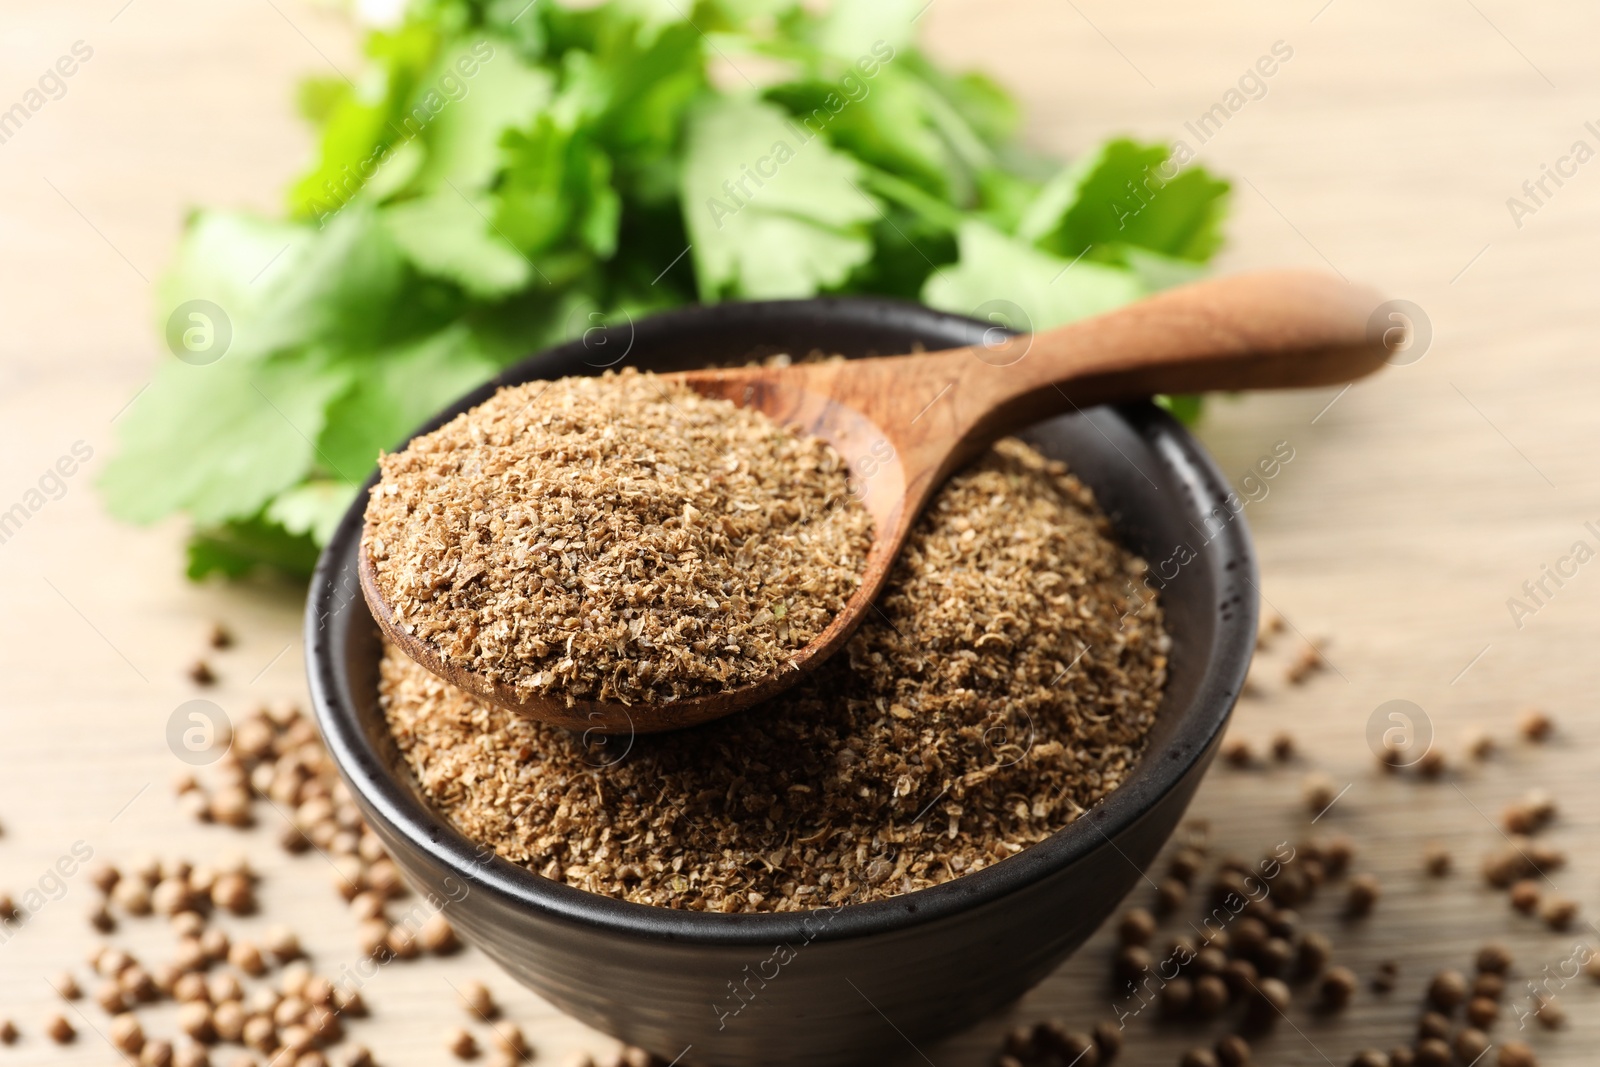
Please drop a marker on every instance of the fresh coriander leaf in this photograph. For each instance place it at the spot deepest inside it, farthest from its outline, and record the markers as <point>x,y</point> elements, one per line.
<point>463,139</point>
<point>447,235</point>
<point>1157,271</point>
<point>853,28</point>
<point>1184,407</point>
<point>883,121</point>
<point>237,262</point>
<point>1049,290</point>
<point>235,549</point>
<point>772,210</point>
<point>312,509</point>
<point>390,395</point>
<point>366,119</point>
<point>1129,194</point>
<point>219,441</point>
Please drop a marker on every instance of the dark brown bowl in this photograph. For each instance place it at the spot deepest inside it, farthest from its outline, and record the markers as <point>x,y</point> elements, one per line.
<point>858,983</point>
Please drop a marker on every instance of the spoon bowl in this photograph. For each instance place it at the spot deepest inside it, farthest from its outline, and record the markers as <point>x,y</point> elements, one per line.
<point>904,423</point>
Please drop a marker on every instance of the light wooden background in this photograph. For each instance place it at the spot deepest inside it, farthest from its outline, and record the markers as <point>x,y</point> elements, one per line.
<point>1414,507</point>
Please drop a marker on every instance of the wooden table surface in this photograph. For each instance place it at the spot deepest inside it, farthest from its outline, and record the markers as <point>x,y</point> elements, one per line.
<point>1416,503</point>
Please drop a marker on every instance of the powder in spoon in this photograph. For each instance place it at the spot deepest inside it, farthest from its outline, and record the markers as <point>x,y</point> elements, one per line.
<point>617,538</point>
<point>1005,684</point>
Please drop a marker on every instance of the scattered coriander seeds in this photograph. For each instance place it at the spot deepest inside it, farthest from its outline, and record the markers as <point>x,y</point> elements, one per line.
<point>478,1001</point>
<point>1549,1012</point>
<point>1319,791</point>
<point>1433,1052</point>
<point>1337,988</point>
<point>1535,725</point>
<point>1237,752</point>
<point>127,1034</point>
<point>1433,1024</point>
<point>1283,747</point>
<point>460,1043</point>
<point>1171,894</point>
<point>8,1032</point>
<point>282,943</point>
<point>1436,860</point>
<point>437,935</point>
<point>1233,1051</point>
<point>1362,895</point>
<point>1525,896</point>
<point>601,480</point>
<point>247,957</point>
<point>157,1053</point>
<point>1493,959</point>
<point>1470,1044</point>
<point>1270,1002</point>
<point>1558,912</point>
<point>1177,995</point>
<point>1447,990</point>
<point>1136,927</point>
<point>57,1029</point>
<point>1313,953</point>
<point>1516,1054</point>
<point>1210,995</point>
<point>66,986</point>
<point>1107,1040</point>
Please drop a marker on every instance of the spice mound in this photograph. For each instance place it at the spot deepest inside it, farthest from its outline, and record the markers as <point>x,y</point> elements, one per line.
<point>1006,683</point>
<point>619,538</point>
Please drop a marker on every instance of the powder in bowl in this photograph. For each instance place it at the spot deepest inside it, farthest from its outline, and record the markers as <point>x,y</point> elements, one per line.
<point>1005,683</point>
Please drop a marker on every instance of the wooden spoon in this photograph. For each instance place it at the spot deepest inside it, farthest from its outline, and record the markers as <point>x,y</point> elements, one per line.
<point>904,423</point>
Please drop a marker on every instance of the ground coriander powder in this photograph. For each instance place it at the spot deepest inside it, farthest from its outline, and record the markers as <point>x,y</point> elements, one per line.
<point>616,538</point>
<point>1005,683</point>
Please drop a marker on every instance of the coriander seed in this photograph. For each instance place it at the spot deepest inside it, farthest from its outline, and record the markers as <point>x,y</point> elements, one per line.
<point>1233,1051</point>
<point>478,1001</point>
<point>126,1033</point>
<point>1517,1054</point>
<point>460,1043</point>
<point>1470,1044</point>
<point>1436,860</point>
<point>1433,1052</point>
<point>1136,927</point>
<point>1362,895</point>
<point>1337,988</point>
<point>1447,990</point>
<point>1535,725</point>
<point>1558,912</point>
<point>1107,1040</point>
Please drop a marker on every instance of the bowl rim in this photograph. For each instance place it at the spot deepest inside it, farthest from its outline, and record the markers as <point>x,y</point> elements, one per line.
<point>392,802</point>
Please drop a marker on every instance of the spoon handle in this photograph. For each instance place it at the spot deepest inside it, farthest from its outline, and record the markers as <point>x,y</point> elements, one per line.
<point>1270,330</point>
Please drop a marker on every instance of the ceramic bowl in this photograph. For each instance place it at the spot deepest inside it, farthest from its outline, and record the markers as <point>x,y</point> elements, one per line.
<point>868,981</point>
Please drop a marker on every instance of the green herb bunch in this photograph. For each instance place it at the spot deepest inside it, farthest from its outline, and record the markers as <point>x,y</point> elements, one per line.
<point>502,175</point>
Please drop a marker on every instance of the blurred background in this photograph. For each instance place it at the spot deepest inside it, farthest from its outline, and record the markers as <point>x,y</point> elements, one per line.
<point>1440,151</point>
